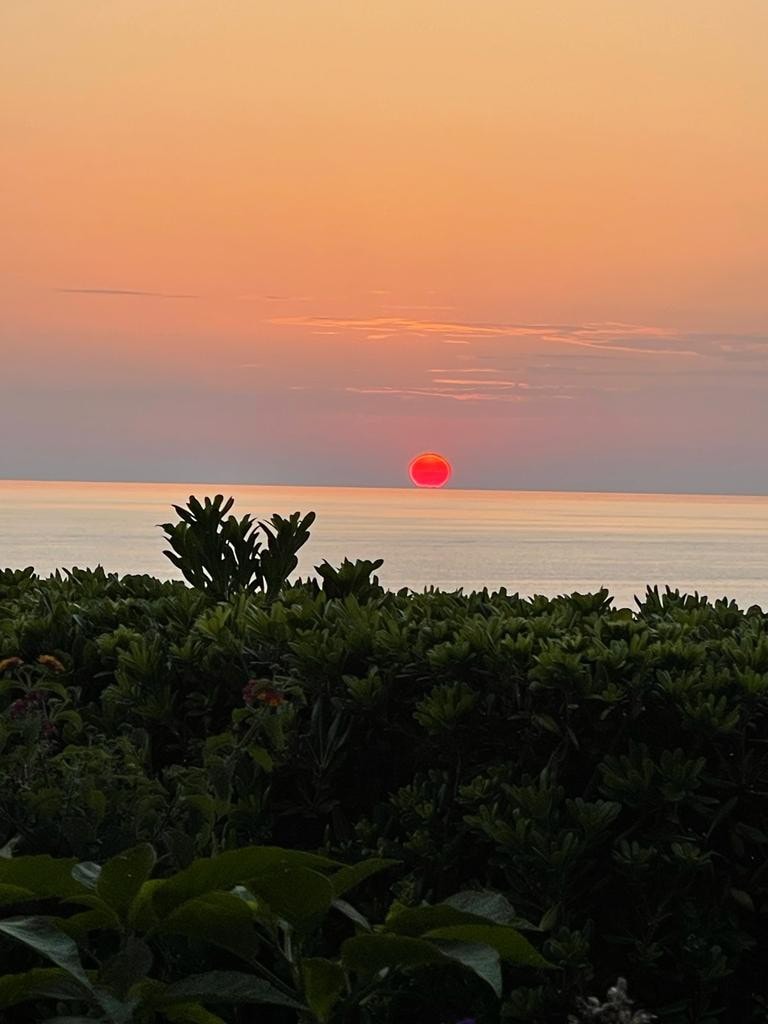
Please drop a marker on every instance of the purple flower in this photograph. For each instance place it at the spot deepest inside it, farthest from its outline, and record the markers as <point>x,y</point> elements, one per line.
<point>19,708</point>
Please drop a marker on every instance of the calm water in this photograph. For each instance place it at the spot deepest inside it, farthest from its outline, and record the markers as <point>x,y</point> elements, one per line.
<point>532,542</point>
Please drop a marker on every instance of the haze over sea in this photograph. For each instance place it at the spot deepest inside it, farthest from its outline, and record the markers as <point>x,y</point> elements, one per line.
<point>528,541</point>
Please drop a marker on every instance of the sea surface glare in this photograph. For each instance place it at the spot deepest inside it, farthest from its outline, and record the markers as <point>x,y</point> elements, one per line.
<point>530,542</point>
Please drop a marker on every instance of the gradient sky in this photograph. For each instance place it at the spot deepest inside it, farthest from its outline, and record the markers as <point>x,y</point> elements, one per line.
<point>298,241</point>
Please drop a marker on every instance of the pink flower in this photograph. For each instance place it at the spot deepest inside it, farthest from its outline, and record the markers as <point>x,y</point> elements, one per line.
<point>259,689</point>
<point>19,708</point>
<point>24,705</point>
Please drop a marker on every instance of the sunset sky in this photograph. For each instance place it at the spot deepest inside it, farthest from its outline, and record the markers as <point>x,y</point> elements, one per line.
<point>299,241</point>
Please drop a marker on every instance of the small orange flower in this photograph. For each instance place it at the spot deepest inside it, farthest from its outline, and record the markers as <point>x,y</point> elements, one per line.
<point>7,663</point>
<point>271,698</point>
<point>259,689</point>
<point>49,661</point>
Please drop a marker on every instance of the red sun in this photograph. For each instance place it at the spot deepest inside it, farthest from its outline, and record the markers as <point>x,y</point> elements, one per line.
<point>430,470</point>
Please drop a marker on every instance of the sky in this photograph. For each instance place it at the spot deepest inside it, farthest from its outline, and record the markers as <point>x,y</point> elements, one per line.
<point>299,242</point>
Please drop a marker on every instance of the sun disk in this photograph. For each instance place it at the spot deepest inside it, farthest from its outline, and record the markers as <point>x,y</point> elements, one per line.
<point>430,470</point>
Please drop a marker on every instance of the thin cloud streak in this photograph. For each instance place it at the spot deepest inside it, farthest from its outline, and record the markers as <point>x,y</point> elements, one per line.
<point>467,369</point>
<point>409,325</point>
<point>635,350</point>
<point>432,393</point>
<point>480,383</point>
<point>610,336</point>
<point>414,305</point>
<point>129,292</point>
<point>461,390</point>
<point>595,339</point>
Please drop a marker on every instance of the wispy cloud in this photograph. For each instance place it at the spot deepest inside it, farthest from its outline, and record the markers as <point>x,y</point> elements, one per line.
<point>460,389</point>
<point>426,392</point>
<point>743,348</point>
<point>400,325</point>
<point>415,306</point>
<point>473,383</point>
<point>636,339</point>
<point>508,362</point>
<point>593,338</point>
<point>467,369</point>
<point>130,292</point>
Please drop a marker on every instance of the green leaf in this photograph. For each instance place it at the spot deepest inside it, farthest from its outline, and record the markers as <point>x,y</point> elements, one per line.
<point>549,918</point>
<point>416,921</point>
<point>96,802</point>
<point>148,993</point>
<point>42,935</point>
<point>482,960</point>
<point>324,981</point>
<point>10,894</point>
<point>6,852</point>
<point>351,876</point>
<point>546,722</point>
<point>220,918</point>
<point>122,877</point>
<point>262,757</point>
<point>234,867</point>
<point>369,954</point>
<point>352,913</point>
<point>743,899</point>
<point>141,914</point>
<point>227,987</point>
<point>39,983</point>
<point>508,943</point>
<point>127,967</point>
<point>70,719</point>
<point>79,925</point>
<point>87,873</point>
<point>300,896</point>
<point>191,1013</point>
<point>106,914</point>
<point>491,906</point>
<point>41,874</point>
<point>117,1010</point>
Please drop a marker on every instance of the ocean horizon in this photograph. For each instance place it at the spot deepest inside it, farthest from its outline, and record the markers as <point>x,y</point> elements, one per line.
<point>531,542</point>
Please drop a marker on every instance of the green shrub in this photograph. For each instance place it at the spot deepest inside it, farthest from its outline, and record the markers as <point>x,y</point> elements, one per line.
<point>604,769</point>
<point>223,555</point>
<point>132,953</point>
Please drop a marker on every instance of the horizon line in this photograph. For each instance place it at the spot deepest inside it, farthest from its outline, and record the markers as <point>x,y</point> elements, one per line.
<point>387,487</point>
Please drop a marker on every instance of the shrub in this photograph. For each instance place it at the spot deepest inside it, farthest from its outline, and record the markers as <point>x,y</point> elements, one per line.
<point>604,769</point>
<point>223,555</point>
<point>258,918</point>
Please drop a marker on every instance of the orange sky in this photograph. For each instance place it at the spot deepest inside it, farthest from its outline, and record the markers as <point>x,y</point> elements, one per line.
<point>298,241</point>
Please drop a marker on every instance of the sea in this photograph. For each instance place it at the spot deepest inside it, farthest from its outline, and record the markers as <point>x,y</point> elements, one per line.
<point>531,542</point>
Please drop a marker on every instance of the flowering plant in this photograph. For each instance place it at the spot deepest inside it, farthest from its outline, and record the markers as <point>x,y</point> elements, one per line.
<point>617,1009</point>
<point>43,707</point>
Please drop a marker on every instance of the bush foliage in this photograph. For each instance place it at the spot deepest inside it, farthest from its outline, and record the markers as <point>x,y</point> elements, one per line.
<point>162,948</point>
<point>603,771</point>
